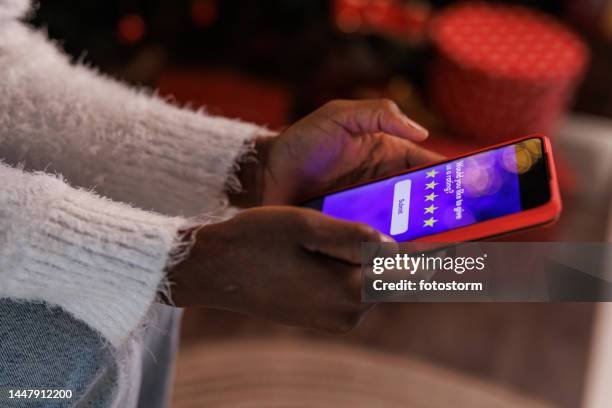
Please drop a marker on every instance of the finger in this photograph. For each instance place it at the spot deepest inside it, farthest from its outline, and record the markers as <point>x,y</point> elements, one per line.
<point>391,154</point>
<point>337,238</point>
<point>354,283</point>
<point>376,115</point>
<point>346,286</point>
<point>417,156</point>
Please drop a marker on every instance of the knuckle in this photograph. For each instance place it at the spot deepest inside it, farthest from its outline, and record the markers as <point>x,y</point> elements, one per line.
<point>280,216</point>
<point>331,104</point>
<point>387,104</point>
<point>365,233</point>
<point>335,105</point>
<point>353,249</point>
<point>309,223</point>
<point>353,288</point>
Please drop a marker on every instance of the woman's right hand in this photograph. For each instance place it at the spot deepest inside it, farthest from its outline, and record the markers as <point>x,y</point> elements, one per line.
<point>291,265</point>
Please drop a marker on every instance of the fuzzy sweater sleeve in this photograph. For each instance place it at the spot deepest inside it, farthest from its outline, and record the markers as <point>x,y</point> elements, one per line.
<point>101,261</point>
<point>127,144</point>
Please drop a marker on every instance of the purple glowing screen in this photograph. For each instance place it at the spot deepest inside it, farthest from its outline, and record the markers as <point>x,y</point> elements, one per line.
<point>435,199</point>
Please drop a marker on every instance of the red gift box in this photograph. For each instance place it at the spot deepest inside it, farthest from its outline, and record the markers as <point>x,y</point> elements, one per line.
<point>503,71</point>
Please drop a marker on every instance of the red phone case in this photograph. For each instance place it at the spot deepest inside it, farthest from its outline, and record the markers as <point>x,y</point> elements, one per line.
<point>544,214</point>
<point>538,216</point>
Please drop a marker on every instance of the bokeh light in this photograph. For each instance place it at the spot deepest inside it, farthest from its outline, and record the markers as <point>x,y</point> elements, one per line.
<point>131,28</point>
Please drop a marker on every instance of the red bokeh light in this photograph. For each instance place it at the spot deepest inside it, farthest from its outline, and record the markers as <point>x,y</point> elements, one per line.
<point>203,12</point>
<point>131,28</point>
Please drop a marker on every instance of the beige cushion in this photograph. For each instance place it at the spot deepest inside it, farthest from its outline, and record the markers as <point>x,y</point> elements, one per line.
<point>302,373</point>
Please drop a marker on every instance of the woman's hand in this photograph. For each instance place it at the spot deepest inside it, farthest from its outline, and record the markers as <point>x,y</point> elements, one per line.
<point>341,143</point>
<point>291,265</point>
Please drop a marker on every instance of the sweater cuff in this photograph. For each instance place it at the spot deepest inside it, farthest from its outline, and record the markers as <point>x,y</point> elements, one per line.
<point>206,153</point>
<point>102,261</point>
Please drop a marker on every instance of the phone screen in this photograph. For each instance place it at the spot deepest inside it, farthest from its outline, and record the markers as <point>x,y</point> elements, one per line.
<point>460,192</point>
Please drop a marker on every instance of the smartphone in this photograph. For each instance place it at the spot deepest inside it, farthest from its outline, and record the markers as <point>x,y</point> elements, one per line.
<point>489,192</point>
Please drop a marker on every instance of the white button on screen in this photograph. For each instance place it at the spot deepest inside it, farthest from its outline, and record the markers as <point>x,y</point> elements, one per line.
<point>401,206</point>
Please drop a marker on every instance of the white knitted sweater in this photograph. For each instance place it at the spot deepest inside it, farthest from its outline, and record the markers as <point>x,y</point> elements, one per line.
<point>102,261</point>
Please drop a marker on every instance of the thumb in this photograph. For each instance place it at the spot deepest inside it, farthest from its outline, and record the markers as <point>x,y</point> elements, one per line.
<point>373,116</point>
<point>339,239</point>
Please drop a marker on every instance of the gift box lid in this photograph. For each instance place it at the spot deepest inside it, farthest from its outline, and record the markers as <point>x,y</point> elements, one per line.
<point>509,42</point>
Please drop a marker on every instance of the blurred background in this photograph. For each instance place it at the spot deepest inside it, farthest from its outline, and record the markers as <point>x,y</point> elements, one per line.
<point>474,74</point>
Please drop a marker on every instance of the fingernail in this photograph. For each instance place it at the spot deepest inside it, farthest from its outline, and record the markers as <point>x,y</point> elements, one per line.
<point>424,132</point>
<point>386,238</point>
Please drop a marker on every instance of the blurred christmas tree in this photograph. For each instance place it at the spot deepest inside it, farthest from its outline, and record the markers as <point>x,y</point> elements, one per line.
<point>318,50</point>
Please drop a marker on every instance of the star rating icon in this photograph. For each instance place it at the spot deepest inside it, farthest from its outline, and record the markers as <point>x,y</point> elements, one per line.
<point>430,209</point>
<point>431,173</point>
<point>429,222</point>
<point>431,197</point>
<point>430,186</point>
